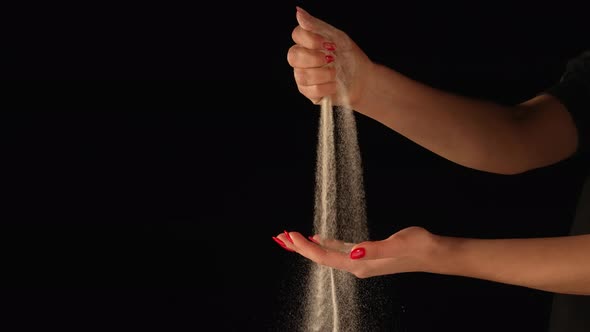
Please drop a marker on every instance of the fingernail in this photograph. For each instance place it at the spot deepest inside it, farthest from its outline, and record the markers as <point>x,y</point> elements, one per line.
<point>288,236</point>
<point>312,239</point>
<point>282,244</point>
<point>357,253</point>
<point>277,240</point>
<point>330,46</point>
<point>329,58</point>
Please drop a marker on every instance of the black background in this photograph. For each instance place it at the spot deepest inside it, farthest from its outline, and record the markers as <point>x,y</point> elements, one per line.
<point>151,151</point>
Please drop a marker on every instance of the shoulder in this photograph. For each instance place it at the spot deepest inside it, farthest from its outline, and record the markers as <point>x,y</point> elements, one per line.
<point>573,89</point>
<point>578,68</point>
<point>555,124</point>
<point>573,92</point>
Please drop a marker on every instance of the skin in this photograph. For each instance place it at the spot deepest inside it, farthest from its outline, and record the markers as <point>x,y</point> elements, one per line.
<point>474,133</point>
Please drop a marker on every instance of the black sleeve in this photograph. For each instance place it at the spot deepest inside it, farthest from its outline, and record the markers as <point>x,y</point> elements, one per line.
<point>573,91</point>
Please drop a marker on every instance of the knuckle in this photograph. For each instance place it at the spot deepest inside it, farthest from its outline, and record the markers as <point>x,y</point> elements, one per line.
<point>316,90</point>
<point>296,34</point>
<point>302,90</point>
<point>300,76</point>
<point>292,55</point>
<point>305,90</point>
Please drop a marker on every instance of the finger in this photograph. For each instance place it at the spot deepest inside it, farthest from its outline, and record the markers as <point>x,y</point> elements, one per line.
<point>281,243</point>
<point>333,244</point>
<point>314,76</point>
<point>319,255</point>
<point>325,30</point>
<point>301,57</point>
<point>315,239</point>
<point>311,40</point>
<point>286,242</point>
<point>307,39</point>
<point>318,91</point>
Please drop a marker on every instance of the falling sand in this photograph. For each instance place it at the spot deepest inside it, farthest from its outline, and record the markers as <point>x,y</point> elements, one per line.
<point>332,303</point>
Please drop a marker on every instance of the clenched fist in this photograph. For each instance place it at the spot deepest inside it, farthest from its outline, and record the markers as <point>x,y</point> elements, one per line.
<point>327,63</point>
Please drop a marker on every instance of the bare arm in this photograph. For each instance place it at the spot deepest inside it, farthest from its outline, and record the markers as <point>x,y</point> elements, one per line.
<point>474,133</point>
<point>559,264</point>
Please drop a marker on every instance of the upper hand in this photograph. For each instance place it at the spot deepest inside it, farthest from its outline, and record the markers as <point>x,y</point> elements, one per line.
<point>327,63</point>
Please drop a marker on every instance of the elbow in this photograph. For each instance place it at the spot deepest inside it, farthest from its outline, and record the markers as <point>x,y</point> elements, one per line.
<point>512,170</point>
<point>504,165</point>
<point>502,169</point>
<point>508,154</point>
<point>507,172</point>
<point>506,161</point>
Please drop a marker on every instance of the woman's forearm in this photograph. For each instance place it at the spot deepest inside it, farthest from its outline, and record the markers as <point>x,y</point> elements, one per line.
<point>560,264</point>
<point>474,133</point>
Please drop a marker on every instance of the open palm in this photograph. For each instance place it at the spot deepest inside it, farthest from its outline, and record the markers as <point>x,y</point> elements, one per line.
<point>399,253</point>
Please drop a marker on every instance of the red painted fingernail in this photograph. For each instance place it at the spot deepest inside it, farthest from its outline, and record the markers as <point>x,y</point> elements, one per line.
<point>288,236</point>
<point>313,240</point>
<point>282,244</point>
<point>277,240</point>
<point>357,253</point>
<point>330,46</point>
<point>329,58</point>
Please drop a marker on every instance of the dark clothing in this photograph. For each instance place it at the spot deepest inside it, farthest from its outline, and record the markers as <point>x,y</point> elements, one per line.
<point>572,313</point>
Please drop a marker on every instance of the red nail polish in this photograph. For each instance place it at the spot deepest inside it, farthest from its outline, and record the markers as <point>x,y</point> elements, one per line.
<point>277,240</point>
<point>282,244</point>
<point>288,236</point>
<point>330,46</point>
<point>312,239</point>
<point>357,253</point>
<point>329,58</point>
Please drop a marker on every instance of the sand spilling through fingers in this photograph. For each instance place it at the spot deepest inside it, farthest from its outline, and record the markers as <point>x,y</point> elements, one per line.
<point>339,214</point>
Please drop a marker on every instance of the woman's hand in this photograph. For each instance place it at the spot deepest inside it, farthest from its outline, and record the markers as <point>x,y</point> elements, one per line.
<point>553,264</point>
<point>408,250</point>
<point>327,63</point>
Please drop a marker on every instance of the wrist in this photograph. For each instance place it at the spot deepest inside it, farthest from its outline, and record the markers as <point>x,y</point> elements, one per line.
<point>366,86</point>
<point>443,255</point>
<point>424,251</point>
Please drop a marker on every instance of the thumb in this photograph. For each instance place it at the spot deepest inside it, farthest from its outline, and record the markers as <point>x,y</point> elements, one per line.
<point>310,23</point>
<point>375,250</point>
